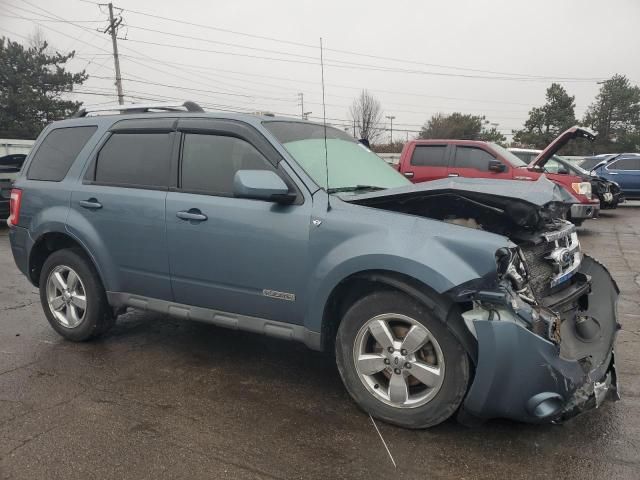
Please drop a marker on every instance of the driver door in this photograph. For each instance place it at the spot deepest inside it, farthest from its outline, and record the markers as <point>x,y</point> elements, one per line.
<point>234,255</point>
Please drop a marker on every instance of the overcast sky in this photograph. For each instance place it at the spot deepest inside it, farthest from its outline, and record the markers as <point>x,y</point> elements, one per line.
<point>436,53</point>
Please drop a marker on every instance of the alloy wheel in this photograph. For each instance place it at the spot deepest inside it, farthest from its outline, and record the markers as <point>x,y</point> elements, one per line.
<point>66,296</point>
<point>398,360</point>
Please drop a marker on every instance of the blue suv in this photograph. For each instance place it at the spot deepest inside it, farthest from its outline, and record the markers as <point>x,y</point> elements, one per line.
<point>623,169</point>
<point>467,296</point>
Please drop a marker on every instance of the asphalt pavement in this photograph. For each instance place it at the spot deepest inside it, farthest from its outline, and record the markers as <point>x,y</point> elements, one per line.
<point>161,398</point>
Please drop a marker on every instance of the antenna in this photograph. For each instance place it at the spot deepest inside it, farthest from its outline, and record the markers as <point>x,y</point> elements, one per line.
<point>324,123</point>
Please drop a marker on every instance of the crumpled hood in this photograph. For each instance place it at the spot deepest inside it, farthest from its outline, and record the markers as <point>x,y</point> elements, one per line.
<point>538,193</point>
<point>506,207</point>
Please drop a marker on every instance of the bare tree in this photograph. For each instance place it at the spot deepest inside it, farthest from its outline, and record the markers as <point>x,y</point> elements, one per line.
<point>37,38</point>
<point>366,115</point>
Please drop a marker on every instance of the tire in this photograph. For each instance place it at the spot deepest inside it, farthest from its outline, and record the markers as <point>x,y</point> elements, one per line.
<point>424,405</point>
<point>95,318</point>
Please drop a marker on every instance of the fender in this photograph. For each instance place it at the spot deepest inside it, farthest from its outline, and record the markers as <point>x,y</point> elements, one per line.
<point>83,232</point>
<point>438,264</point>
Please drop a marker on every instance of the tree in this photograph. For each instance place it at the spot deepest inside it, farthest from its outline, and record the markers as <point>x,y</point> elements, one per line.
<point>366,114</point>
<point>32,85</point>
<point>615,116</point>
<point>460,126</point>
<point>547,122</point>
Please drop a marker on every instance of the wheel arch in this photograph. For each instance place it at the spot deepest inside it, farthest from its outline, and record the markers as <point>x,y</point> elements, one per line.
<point>356,285</point>
<point>50,242</point>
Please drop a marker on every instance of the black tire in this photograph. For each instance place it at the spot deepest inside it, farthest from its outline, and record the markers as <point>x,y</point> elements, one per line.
<point>98,317</point>
<point>456,376</point>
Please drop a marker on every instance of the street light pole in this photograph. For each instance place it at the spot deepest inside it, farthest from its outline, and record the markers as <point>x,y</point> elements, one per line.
<point>391,117</point>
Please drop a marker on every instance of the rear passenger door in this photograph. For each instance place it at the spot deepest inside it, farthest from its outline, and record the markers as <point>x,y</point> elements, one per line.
<point>625,172</point>
<point>239,255</point>
<point>471,161</point>
<point>427,162</point>
<point>118,208</point>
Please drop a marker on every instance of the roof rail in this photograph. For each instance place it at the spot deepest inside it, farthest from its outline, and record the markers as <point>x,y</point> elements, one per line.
<point>141,108</point>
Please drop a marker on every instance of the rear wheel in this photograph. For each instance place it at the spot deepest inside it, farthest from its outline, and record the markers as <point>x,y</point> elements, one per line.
<point>399,362</point>
<point>72,296</point>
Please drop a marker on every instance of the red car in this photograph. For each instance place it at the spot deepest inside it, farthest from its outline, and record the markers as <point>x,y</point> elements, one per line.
<point>423,160</point>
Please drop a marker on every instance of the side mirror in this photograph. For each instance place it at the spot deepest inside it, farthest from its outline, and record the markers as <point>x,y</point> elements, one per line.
<point>563,171</point>
<point>497,166</point>
<point>261,185</point>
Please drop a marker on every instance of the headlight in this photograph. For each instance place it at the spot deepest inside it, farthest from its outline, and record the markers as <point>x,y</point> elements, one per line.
<point>583,188</point>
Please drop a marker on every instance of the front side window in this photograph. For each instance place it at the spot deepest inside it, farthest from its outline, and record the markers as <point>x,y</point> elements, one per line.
<point>472,157</point>
<point>135,159</point>
<point>429,156</point>
<point>513,160</point>
<point>57,153</point>
<point>625,164</point>
<point>526,157</point>
<point>552,166</point>
<point>210,162</point>
<point>351,166</point>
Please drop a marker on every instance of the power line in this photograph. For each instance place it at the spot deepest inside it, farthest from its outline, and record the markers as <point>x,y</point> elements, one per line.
<point>340,86</point>
<point>349,52</point>
<point>351,65</point>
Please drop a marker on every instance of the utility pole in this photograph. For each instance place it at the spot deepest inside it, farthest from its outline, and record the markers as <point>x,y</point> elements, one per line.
<point>301,97</point>
<point>113,30</point>
<point>354,127</point>
<point>391,117</point>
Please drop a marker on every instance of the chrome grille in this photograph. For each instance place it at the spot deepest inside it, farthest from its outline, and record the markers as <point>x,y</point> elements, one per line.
<point>553,261</point>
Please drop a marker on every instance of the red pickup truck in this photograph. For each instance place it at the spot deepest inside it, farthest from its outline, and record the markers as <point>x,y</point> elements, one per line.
<point>423,160</point>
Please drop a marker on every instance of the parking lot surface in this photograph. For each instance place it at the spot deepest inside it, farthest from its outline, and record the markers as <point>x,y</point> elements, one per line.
<point>161,398</point>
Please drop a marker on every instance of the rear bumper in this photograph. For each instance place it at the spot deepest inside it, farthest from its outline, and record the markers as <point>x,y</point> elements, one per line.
<point>583,211</point>
<point>522,376</point>
<point>20,240</point>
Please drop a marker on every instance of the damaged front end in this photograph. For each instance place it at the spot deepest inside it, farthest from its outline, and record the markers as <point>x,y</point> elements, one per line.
<point>543,358</point>
<point>545,320</point>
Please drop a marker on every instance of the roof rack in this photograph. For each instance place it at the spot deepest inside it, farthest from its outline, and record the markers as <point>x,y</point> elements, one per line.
<point>142,108</point>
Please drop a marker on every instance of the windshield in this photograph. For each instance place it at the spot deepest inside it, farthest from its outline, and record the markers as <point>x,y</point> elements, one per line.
<point>352,166</point>
<point>509,156</point>
<point>589,163</point>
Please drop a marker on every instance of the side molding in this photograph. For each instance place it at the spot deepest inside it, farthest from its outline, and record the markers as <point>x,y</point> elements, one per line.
<point>287,331</point>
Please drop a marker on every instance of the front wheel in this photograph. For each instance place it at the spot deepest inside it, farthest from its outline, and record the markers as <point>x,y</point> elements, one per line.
<point>399,361</point>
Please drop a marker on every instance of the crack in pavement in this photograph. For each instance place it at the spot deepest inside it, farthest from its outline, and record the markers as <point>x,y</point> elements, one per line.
<point>17,307</point>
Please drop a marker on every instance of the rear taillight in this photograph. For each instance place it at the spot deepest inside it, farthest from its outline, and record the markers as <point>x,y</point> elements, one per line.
<point>14,207</point>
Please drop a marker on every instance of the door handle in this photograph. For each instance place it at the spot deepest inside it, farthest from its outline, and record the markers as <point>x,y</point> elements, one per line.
<point>454,175</point>
<point>192,214</point>
<point>91,204</point>
<point>408,174</point>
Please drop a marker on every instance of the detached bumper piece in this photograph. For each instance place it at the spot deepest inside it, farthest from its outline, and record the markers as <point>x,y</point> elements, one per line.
<point>583,211</point>
<point>523,376</point>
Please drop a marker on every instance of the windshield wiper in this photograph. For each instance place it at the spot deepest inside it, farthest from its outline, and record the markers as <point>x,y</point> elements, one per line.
<point>355,188</point>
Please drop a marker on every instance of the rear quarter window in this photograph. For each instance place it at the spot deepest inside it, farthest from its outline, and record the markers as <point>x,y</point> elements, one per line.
<point>57,153</point>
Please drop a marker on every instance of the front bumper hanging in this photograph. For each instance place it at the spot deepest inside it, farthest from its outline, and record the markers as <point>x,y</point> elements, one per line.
<point>522,376</point>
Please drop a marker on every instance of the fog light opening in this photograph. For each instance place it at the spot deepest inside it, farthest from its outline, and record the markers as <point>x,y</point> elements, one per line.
<point>545,405</point>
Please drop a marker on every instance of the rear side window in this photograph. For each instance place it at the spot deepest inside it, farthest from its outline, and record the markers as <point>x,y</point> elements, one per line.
<point>429,156</point>
<point>626,164</point>
<point>135,159</point>
<point>472,157</point>
<point>57,152</point>
<point>210,162</point>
